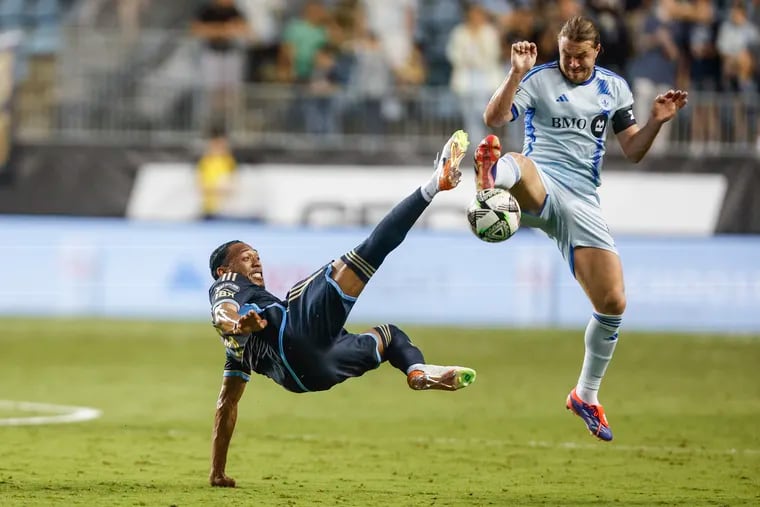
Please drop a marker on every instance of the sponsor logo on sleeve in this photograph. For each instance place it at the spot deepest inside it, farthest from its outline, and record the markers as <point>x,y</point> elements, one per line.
<point>228,285</point>
<point>224,293</point>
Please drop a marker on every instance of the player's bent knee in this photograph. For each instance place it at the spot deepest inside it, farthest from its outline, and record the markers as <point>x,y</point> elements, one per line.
<point>529,190</point>
<point>525,163</point>
<point>614,303</point>
<point>347,279</point>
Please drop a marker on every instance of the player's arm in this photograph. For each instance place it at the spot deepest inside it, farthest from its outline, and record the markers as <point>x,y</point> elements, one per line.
<point>229,322</point>
<point>499,108</point>
<point>224,425</point>
<point>636,141</point>
<point>227,297</point>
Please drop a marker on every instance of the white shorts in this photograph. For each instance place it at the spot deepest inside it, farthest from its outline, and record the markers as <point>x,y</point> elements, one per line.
<point>571,218</point>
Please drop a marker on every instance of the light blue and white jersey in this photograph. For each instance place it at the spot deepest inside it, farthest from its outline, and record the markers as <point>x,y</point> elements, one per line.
<point>566,123</point>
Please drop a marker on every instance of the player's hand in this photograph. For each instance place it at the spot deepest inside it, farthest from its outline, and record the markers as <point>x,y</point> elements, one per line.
<point>221,480</point>
<point>249,323</point>
<point>523,57</point>
<point>668,104</point>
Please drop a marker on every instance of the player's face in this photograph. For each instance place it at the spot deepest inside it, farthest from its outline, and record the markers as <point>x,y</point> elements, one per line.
<point>577,59</point>
<point>245,260</point>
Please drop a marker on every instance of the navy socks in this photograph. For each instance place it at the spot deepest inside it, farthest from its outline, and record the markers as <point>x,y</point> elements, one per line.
<point>387,235</point>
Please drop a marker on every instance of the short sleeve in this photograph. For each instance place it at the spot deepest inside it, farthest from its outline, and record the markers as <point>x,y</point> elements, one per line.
<point>524,97</point>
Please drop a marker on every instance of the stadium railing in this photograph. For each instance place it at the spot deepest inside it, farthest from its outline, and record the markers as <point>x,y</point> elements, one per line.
<point>150,93</point>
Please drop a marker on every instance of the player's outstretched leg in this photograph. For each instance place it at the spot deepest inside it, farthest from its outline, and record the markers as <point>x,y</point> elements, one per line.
<point>392,229</point>
<point>420,376</point>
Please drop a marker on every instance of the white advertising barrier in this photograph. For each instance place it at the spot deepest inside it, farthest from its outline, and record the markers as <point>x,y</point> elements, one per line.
<point>633,202</point>
<point>119,268</point>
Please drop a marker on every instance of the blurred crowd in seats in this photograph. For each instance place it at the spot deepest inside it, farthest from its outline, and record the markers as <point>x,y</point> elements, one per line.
<point>374,53</point>
<point>378,50</point>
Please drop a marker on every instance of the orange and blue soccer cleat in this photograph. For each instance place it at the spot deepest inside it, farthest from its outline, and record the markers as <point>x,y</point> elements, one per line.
<point>487,154</point>
<point>592,415</point>
<point>447,165</point>
<point>444,378</point>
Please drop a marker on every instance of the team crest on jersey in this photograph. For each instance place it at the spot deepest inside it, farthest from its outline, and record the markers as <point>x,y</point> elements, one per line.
<point>605,101</point>
<point>598,124</point>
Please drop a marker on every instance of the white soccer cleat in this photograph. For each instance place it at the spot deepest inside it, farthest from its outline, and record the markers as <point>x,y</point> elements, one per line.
<point>447,165</point>
<point>444,378</point>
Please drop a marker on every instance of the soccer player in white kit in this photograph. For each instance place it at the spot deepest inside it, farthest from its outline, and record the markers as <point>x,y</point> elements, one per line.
<point>567,106</point>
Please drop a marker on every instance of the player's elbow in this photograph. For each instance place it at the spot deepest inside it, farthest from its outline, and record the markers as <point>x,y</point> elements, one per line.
<point>493,121</point>
<point>634,157</point>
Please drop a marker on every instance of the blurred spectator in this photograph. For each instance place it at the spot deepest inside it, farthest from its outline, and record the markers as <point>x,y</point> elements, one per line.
<point>653,70</point>
<point>522,23</point>
<point>435,21</point>
<point>414,71</point>
<point>346,26</point>
<point>129,15</point>
<point>736,38</point>
<point>474,51</point>
<point>320,105</point>
<point>616,43</point>
<point>221,27</point>
<point>215,172</point>
<point>264,19</point>
<point>499,11</point>
<point>371,82</point>
<point>549,23</point>
<point>393,22</point>
<point>699,17</point>
<point>300,42</point>
<point>37,59</point>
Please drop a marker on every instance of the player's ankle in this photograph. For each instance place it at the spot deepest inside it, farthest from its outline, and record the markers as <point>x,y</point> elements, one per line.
<point>588,396</point>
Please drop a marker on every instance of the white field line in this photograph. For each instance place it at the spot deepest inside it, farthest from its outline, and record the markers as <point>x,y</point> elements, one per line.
<point>59,413</point>
<point>592,446</point>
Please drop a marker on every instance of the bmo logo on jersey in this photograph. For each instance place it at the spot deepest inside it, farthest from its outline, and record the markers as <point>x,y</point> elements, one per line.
<point>569,123</point>
<point>597,124</point>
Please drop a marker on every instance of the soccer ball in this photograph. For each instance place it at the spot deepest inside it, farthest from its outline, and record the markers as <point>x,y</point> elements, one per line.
<point>494,215</point>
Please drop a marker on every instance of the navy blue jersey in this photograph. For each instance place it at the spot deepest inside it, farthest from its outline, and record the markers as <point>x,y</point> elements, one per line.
<point>304,346</point>
<point>259,352</point>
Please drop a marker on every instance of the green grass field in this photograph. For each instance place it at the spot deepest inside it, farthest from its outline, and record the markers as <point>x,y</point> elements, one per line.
<point>685,411</point>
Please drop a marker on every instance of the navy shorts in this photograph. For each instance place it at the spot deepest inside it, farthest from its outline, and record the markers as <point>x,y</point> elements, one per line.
<point>319,352</point>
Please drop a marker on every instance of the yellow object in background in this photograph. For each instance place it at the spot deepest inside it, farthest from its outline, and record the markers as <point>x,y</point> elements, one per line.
<point>215,171</point>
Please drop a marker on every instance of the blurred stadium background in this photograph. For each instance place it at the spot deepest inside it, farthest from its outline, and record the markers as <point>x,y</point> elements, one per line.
<point>136,135</point>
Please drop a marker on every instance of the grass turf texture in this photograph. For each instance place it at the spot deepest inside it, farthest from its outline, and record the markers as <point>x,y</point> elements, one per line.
<point>684,409</point>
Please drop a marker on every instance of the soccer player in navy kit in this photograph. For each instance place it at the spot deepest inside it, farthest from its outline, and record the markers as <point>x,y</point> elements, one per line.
<point>567,105</point>
<point>300,342</point>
